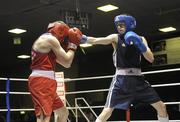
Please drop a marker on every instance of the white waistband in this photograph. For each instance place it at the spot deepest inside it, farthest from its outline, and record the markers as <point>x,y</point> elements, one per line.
<point>129,71</point>
<point>43,73</point>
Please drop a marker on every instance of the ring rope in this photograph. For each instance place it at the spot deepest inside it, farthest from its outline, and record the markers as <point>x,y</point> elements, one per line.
<point>67,80</point>
<point>14,79</point>
<point>88,78</point>
<point>28,109</point>
<point>90,91</point>
<point>98,77</point>
<point>164,85</point>
<point>31,109</point>
<point>101,90</point>
<point>3,92</point>
<point>110,76</point>
<point>161,71</point>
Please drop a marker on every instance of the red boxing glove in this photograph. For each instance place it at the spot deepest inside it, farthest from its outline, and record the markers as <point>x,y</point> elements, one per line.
<point>75,36</point>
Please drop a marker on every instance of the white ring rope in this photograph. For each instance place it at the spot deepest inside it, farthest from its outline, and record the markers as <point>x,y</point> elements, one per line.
<point>102,90</point>
<point>31,109</point>
<point>14,79</point>
<point>163,85</point>
<point>3,92</point>
<point>28,109</point>
<point>161,71</point>
<point>90,91</point>
<point>98,77</point>
<point>110,76</point>
<point>89,78</point>
<point>87,91</point>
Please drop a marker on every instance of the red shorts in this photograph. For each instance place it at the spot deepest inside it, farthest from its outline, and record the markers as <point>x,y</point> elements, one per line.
<point>44,96</point>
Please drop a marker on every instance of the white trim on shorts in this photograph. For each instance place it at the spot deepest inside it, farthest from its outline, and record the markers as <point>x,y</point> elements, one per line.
<point>43,73</point>
<point>128,71</point>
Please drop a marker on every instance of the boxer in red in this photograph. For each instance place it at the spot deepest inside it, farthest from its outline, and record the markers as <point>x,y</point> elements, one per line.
<point>58,45</point>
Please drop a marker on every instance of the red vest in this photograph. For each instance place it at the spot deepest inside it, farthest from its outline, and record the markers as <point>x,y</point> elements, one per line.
<point>43,61</point>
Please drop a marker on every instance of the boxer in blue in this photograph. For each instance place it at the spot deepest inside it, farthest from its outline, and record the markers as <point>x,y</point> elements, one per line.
<point>128,85</point>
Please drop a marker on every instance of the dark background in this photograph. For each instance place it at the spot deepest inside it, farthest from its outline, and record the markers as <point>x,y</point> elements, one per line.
<point>35,15</point>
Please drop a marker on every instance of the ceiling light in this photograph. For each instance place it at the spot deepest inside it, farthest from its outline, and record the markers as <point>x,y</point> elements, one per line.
<point>85,45</point>
<point>107,8</point>
<point>23,56</point>
<point>22,112</point>
<point>17,31</point>
<point>167,29</point>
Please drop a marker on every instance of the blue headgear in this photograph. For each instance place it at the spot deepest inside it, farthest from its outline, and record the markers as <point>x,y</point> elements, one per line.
<point>129,21</point>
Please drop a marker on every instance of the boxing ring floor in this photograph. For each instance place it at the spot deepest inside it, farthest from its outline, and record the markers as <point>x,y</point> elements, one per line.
<point>81,103</point>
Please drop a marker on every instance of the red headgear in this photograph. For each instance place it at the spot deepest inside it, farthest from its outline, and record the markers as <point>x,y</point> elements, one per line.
<point>59,29</point>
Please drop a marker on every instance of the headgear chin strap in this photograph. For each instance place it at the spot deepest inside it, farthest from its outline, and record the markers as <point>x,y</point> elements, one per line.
<point>58,29</point>
<point>129,21</point>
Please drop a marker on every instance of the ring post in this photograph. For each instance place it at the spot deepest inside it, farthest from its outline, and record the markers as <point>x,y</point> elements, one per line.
<point>7,100</point>
<point>128,115</point>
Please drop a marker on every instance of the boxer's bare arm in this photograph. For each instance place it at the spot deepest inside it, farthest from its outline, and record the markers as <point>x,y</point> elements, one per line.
<point>103,40</point>
<point>148,55</point>
<point>63,58</point>
<point>47,42</point>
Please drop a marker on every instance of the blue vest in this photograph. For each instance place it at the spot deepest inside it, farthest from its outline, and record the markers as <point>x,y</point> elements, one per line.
<point>127,56</point>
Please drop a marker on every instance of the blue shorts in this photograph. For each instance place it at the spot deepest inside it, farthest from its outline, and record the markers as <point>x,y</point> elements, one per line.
<point>126,90</point>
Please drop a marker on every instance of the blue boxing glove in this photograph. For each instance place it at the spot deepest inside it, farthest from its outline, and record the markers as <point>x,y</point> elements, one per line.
<point>137,41</point>
<point>83,39</point>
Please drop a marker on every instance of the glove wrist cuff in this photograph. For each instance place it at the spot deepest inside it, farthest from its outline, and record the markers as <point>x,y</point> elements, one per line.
<point>72,46</point>
<point>83,39</point>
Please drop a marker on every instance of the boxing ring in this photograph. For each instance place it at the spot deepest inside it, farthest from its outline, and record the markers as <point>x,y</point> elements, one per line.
<point>80,104</point>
